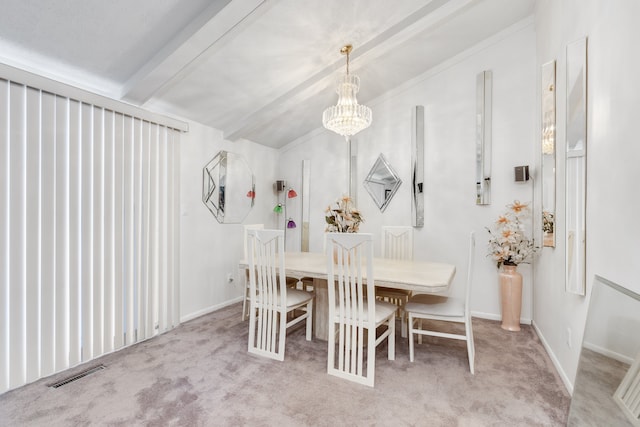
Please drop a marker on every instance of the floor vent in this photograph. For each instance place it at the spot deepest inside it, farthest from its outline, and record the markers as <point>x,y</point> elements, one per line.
<point>77,376</point>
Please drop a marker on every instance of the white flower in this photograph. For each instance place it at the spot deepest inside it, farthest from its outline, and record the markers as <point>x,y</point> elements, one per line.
<point>509,244</point>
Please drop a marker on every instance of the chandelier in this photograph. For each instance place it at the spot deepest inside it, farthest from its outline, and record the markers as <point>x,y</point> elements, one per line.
<point>347,117</point>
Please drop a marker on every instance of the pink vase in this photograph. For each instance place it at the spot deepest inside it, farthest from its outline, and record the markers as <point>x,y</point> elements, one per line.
<point>511,296</point>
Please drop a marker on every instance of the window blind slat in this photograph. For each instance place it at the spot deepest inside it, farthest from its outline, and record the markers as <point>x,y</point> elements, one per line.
<point>146,209</point>
<point>62,234</point>
<point>4,234</point>
<point>152,226</point>
<point>141,319</point>
<point>175,264</point>
<point>170,230</point>
<point>75,225</point>
<point>108,231</point>
<point>98,230</point>
<point>33,234</point>
<point>162,225</point>
<point>118,238</point>
<point>128,222</point>
<point>87,231</point>
<point>48,236</point>
<point>17,228</point>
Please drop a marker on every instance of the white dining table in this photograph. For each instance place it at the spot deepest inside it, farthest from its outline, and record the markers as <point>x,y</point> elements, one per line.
<point>420,277</point>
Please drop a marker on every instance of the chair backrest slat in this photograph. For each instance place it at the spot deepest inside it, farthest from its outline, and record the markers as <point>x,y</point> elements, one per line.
<point>246,229</point>
<point>397,242</point>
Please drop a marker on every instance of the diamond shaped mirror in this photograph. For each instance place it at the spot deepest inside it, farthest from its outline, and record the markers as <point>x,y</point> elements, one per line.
<point>382,183</point>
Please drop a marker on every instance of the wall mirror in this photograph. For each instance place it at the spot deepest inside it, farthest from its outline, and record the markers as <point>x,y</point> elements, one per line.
<point>548,148</point>
<point>483,138</point>
<point>306,211</point>
<point>417,166</point>
<point>606,390</point>
<point>382,182</point>
<point>228,187</point>
<point>575,166</point>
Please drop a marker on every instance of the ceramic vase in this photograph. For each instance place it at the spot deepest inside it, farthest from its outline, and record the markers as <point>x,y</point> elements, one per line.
<point>511,297</point>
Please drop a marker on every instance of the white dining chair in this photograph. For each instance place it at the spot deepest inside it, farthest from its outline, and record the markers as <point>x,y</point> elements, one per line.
<point>269,297</point>
<point>304,283</point>
<point>397,243</point>
<point>443,308</point>
<point>354,318</point>
<point>245,237</point>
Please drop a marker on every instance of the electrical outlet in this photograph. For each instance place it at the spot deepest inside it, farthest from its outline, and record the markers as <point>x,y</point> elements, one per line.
<point>569,337</point>
<point>229,277</point>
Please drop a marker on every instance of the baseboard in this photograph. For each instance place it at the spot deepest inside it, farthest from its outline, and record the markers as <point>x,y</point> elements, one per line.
<point>608,353</point>
<point>492,316</point>
<point>210,309</point>
<point>554,359</point>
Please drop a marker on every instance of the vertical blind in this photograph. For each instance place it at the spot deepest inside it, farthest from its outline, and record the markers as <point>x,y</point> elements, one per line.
<point>89,231</point>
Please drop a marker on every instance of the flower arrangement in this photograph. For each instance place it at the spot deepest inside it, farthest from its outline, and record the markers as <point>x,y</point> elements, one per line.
<point>509,244</point>
<point>547,222</point>
<point>342,216</point>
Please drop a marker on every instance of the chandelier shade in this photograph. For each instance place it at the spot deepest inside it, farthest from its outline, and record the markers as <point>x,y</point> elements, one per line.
<point>347,117</point>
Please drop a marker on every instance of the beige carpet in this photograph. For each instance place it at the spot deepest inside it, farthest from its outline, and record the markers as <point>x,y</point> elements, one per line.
<point>200,374</point>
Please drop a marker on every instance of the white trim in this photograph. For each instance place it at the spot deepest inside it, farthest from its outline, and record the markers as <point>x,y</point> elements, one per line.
<point>210,309</point>
<point>47,85</point>
<point>608,353</point>
<point>563,375</point>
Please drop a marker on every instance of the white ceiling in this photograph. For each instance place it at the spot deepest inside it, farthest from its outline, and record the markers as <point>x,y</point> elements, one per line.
<point>262,70</point>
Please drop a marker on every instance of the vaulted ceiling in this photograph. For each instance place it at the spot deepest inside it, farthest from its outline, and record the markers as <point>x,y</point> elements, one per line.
<point>262,70</point>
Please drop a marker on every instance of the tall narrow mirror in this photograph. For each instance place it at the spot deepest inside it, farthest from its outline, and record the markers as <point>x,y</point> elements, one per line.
<point>548,148</point>
<point>483,138</point>
<point>228,188</point>
<point>306,192</point>
<point>382,182</point>
<point>576,165</point>
<point>417,166</point>
<point>607,386</point>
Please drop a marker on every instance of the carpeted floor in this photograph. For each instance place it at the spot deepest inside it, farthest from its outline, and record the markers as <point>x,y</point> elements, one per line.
<point>200,374</point>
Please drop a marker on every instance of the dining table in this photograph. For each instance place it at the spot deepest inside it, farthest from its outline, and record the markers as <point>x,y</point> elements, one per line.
<point>419,277</point>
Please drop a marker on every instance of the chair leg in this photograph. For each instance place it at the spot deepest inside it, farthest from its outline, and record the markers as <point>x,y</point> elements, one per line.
<point>371,357</point>
<point>410,327</point>
<point>470,346</point>
<point>391,338</point>
<point>244,305</point>
<point>282,333</point>
<point>245,308</point>
<point>309,320</point>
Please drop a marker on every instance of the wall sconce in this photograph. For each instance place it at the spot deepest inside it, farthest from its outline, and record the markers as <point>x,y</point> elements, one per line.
<point>280,187</point>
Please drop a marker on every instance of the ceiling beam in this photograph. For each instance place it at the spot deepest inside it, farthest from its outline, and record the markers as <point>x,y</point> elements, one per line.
<point>222,20</point>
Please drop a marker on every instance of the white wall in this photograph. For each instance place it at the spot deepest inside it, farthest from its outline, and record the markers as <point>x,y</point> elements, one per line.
<point>613,231</point>
<point>448,95</point>
<point>209,250</point>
